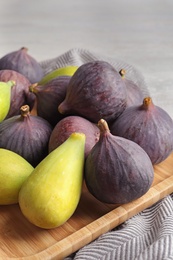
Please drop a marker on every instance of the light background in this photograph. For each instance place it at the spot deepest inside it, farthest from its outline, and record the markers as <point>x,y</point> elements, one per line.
<point>137,32</point>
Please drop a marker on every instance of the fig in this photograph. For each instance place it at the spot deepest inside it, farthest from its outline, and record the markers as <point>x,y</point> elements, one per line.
<point>62,71</point>
<point>117,170</point>
<point>65,127</point>
<point>51,194</point>
<point>23,63</point>
<point>26,135</point>
<point>48,98</point>
<point>149,126</point>
<point>135,94</point>
<point>5,98</point>
<point>96,90</point>
<point>20,94</point>
<point>14,171</point>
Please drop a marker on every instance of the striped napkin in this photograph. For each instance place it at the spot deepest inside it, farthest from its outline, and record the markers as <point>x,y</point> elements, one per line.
<point>146,236</point>
<point>78,57</point>
<point>149,234</point>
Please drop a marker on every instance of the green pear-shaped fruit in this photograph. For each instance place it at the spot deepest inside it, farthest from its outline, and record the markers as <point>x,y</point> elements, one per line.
<point>14,170</point>
<point>5,98</point>
<point>51,194</point>
<point>63,71</point>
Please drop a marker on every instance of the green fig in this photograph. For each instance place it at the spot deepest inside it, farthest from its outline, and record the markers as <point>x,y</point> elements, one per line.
<point>51,194</point>
<point>5,98</point>
<point>14,170</point>
<point>63,71</point>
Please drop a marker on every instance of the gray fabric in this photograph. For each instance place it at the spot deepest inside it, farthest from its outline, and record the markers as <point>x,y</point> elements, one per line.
<point>79,56</point>
<point>149,234</point>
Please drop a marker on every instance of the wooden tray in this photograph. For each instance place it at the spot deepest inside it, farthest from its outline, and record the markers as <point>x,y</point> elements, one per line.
<point>21,240</point>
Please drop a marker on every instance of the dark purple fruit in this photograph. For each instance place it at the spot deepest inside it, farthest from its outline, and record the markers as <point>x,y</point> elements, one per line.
<point>71,124</point>
<point>95,91</point>
<point>49,96</point>
<point>26,135</point>
<point>135,95</point>
<point>149,126</point>
<point>117,170</point>
<point>20,94</point>
<point>23,63</point>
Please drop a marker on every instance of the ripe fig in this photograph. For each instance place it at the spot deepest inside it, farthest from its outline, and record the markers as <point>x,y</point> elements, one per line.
<point>5,98</point>
<point>96,90</point>
<point>48,98</point>
<point>14,171</point>
<point>135,95</point>
<point>117,170</point>
<point>20,94</point>
<point>70,124</point>
<point>62,71</point>
<point>149,126</point>
<point>26,135</point>
<point>23,63</point>
<point>51,194</point>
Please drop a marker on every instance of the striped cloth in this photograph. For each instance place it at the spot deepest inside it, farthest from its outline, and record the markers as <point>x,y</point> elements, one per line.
<point>77,57</point>
<point>146,236</point>
<point>149,234</point>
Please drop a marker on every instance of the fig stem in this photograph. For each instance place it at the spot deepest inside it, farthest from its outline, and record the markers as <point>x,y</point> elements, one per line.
<point>32,88</point>
<point>147,101</point>
<point>24,49</point>
<point>25,110</point>
<point>103,126</point>
<point>122,73</point>
<point>11,83</point>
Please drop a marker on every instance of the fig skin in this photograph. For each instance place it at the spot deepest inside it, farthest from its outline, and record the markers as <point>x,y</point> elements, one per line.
<point>70,124</point>
<point>26,135</point>
<point>48,98</point>
<point>23,63</point>
<point>117,170</point>
<point>135,95</point>
<point>5,98</point>
<point>149,126</point>
<point>20,94</point>
<point>96,90</point>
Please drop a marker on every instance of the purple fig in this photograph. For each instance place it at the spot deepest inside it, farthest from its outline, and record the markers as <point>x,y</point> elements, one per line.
<point>117,170</point>
<point>48,98</point>
<point>96,90</point>
<point>135,95</point>
<point>26,135</point>
<point>70,124</point>
<point>20,94</point>
<point>149,126</point>
<point>23,63</point>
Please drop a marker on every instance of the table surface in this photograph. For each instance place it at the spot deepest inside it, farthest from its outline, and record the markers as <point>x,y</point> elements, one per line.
<point>138,32</point>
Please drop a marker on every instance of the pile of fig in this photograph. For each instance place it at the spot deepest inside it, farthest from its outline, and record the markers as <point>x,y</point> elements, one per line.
<point>89,124</point>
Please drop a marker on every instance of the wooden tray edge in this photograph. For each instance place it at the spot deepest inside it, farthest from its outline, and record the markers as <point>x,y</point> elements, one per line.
<point>117,216</point>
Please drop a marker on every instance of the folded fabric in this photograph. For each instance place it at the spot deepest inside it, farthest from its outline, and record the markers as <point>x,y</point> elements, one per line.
<point>146,236</point>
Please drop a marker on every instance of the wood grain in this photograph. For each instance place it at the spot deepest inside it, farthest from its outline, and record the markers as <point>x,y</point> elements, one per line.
<point>19,239</point>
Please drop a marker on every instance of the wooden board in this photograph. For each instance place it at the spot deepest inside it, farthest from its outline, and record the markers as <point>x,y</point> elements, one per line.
<point>19,239</point>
